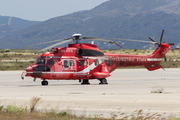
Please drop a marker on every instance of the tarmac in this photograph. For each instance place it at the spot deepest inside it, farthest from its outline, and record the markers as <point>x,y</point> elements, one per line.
<point>129,91</point>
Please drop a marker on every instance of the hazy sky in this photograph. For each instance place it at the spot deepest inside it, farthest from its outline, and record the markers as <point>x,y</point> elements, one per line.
<point>40,10</point>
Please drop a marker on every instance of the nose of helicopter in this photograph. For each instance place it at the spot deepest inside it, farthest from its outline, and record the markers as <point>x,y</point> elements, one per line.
<point>37,70</point>
<point>29,69</point>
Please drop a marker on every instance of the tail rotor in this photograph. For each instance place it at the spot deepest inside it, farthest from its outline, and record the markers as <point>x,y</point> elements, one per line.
<point>171,44</point>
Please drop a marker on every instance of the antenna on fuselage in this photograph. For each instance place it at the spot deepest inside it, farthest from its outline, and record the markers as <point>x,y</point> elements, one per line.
<point>76,38</point>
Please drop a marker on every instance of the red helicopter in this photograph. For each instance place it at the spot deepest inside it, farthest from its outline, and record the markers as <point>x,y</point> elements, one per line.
<point>84,61</point>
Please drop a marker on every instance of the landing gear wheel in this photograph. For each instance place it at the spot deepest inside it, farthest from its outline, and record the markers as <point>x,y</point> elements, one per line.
<point>44,82</point>
<point>103,81</point>
<point>85,82</point>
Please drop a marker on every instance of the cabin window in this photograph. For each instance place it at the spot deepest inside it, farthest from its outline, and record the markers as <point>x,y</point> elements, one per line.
<point>78,62</point>
<point>96,62</point>
<point>84,62</point>
<point>71,63</point>
<point>66,63</point>
<point>107,62</point>
<point>50,62</point>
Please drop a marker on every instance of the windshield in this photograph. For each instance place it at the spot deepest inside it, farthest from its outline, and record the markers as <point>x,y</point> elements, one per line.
<point>40,60</point>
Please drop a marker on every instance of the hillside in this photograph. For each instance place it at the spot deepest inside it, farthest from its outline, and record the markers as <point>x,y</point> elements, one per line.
<point>9,25</point>
<point>129,19</point>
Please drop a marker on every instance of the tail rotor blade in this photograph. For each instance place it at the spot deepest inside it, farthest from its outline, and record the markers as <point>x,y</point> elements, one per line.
<point>152,39</point>
<point>163,68</point>
<point>174,51</point>
<point>165,59</point>
<point>161,36</point>
<point>171,44</point>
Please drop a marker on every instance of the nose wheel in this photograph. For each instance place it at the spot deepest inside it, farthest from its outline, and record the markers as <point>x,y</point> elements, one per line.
<point>44,82</point>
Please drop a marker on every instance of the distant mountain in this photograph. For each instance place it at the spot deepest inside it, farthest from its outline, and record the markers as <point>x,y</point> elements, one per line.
<point>9,25</point>
<point>129,19</point>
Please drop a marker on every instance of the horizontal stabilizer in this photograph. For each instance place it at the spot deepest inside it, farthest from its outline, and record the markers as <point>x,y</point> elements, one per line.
<point>153,67</point>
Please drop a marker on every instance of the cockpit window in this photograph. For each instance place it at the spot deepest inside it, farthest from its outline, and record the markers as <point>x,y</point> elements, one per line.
<point>41,61</point>
<point>50,62</point>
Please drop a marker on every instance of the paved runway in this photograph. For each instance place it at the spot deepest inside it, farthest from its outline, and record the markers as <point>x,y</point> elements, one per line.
<point>128,90</point>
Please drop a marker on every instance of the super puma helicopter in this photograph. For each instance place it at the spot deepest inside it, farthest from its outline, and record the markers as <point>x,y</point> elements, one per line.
<point>84,62</point>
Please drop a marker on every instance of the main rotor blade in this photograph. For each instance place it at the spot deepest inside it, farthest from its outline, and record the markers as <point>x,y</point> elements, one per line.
<point>161,36</point>
<point>107,40</point>
<point>100,39</point>
<point>37,44</point>
<point>54,45</point>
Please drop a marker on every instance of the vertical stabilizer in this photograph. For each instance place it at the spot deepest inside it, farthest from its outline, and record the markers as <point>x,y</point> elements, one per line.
<point>156,58</point>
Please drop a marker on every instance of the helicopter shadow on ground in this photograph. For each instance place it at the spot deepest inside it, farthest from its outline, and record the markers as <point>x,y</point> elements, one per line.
<point>57,85</point>
<point>72,84</point>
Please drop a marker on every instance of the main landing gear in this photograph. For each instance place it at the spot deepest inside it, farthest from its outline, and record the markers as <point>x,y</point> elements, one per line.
<point>103,81</point>
<point>44,82</point>
<point>86,81</point>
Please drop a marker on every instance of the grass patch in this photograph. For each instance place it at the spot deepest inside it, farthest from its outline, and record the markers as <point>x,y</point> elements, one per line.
<point>33,103</point>
<point>17,113</point>
<point>1,107</point>
<point>19,55</point>
<point>52,115</point>
<point>14,65</point>
<point>43,116</point>
<point>13,109</point>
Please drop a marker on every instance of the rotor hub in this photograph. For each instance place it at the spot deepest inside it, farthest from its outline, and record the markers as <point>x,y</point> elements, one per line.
<point>76,37</point>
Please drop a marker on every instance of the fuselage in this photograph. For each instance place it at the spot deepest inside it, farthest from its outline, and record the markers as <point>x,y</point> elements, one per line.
<point>86,61</point>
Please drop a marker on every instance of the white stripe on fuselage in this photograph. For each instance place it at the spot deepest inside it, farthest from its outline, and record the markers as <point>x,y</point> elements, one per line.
<point>154,59</point>
<point>90,67</point>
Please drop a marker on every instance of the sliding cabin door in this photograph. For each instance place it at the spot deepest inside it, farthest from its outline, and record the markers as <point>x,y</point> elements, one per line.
<point>82,68</point>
